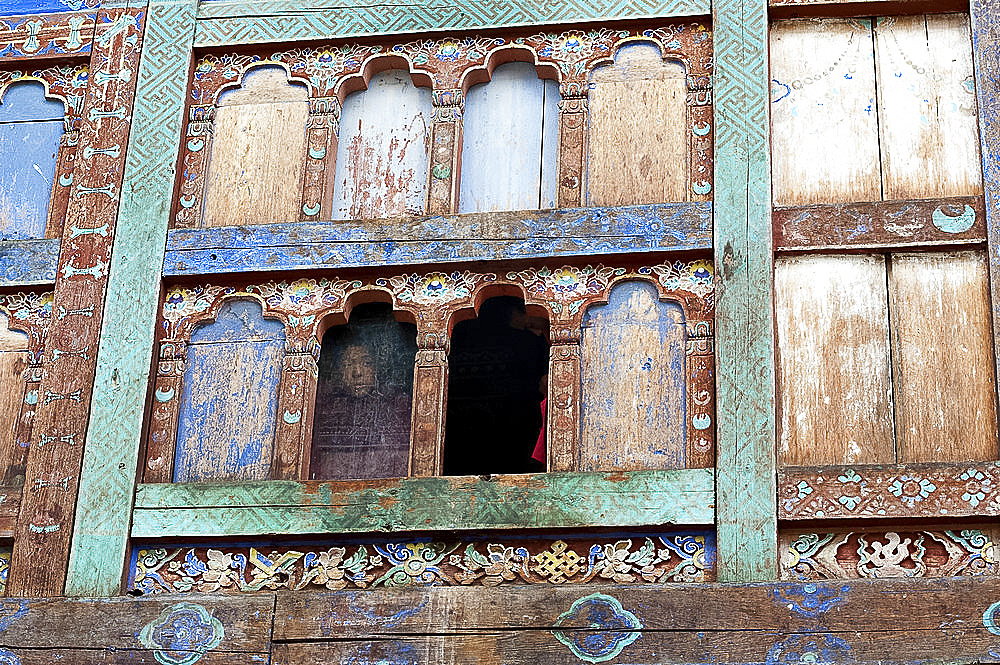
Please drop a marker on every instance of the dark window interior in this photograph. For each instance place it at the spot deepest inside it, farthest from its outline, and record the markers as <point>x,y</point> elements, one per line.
<point>363,397</point>
<point>497,367</point>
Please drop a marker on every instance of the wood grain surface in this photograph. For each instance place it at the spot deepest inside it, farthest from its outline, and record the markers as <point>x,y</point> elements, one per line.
<point>258,152</point>
<point>637,140</point>
<point>833,357</point>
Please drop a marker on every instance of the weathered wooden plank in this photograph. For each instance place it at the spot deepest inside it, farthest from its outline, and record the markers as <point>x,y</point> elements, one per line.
<point>901,491</point>
<point>833,360</point>
<point>285,20</point>
<point>27,262</point>
<point>258,151</point>
<point>30,127</point>
<point>425,504</point>
<point>632,406</point>
<point>824,126</point>
<point>943,378</point>
<point>14,359</point>
<point>744,339</point>
<point>471,237</point>
<point>229,399</point>
<point>927,107</point>
<point>881,225</point>
<point>45,525</point>
<point>241,625</point>
<point>121,383</point>
<point>382,150</point>
<point>986,54</point>
<point>486,561</point>
<point>638,142</point>
<point>505,164</point>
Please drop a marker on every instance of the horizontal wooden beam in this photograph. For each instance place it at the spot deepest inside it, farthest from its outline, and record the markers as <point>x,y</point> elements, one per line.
<point>27,262</point>
<point>234,22</point>
<point>459,503</point>
<point>881,225</point>
<point>938,490</point>
<point>438,239</point>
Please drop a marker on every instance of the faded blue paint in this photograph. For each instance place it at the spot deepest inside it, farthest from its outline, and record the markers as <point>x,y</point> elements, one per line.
<point>27,262</point>
<point>633,384</point>
<point>611,628</point>
<point>811,599</point>
<point>30,127</point>
<point>230,396</point>
<point>19,7</point>
<point>560,232</point>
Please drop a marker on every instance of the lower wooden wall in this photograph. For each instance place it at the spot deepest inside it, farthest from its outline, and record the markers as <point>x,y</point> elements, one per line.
<point>954,620</point>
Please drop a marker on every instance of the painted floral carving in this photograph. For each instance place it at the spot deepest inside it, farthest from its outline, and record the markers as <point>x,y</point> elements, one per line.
<point>612,628</point>
<point>182,634</point>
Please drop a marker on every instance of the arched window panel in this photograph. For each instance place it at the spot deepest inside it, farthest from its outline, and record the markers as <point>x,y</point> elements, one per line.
<point>230,395</point>
<point>30,128</point>
<point>638,137</point>
<point>633,378</point>
<point>258,151</point>
<point>382,151</point>
<point>510,141</point>
<point>13,362</point>
<point>497,369</point>
<point>364,396</point>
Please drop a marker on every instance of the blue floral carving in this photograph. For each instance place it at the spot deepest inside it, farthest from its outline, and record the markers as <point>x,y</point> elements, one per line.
<point>810,600</point>
<point>182,634</point>
<point>614,628</point>
<point>810,648</point>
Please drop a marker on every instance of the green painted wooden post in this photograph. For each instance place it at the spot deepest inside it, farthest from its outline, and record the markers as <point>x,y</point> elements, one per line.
<point>107,483</point>
<point>746,503</point>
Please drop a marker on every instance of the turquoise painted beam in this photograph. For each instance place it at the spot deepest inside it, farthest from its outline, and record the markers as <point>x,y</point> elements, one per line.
<point>745,422</point>
<point>104,501</point>
<point>227,23</point>
<point>554,500</point>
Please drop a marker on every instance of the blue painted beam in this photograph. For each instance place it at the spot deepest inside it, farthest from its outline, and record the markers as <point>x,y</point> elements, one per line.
<point>27,262</point>
<point>469,237</point>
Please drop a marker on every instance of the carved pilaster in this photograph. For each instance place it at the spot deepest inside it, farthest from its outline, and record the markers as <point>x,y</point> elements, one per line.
<point>62,182</point>
<point>197,150</point>
<point>700,396</point>
<point>430,386</point>
<point>446,148</point>
<point>162,438</point>
<point>322,129</point>
<point>562,429</point>
<point>572,143</point>
<point>296,406</point>
<point>18,457</point>
<point>701,136</point>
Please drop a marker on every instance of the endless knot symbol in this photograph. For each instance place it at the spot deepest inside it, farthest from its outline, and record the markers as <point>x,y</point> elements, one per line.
<point>557,564</point>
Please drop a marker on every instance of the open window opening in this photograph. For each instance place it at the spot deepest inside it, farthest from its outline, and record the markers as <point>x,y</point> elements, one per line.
<point>364,395</point>
<point>497,372</point>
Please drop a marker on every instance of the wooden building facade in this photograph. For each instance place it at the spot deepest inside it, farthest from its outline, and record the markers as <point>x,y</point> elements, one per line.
<point>655,331</point>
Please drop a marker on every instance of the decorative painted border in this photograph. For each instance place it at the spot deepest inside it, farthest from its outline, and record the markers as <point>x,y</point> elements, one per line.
<point>40,35</point>
<point>434,300</point>
<point>228,23</point>
<point>882,225</point>
<point>879,553</point>
<point>654,559</point>
<point>440,239</point>
<point>448,65</point>
<point>904,490</point>
<point>28,262</point>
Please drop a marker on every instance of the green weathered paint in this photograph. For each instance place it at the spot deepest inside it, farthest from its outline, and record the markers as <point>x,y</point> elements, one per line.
<point>745,422</point>
<point>100,536</point>
<point>224,23</point>
<point>555,500</point>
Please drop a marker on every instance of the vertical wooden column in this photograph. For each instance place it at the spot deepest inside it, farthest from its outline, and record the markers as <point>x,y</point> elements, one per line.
<point>746,503</point>
<point>107,481</point>
<point>198,150</point>
<point>562,427</point>
<point>25,421</point>
<point>296,402</point>
<point>986,60</point>
<point>446,149</point>
<point>430,390</point>
<point>167,388</point>
<point>59,201</point>
<point>572,142</point>
<point>45,522</point>
<point>322,129</point>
